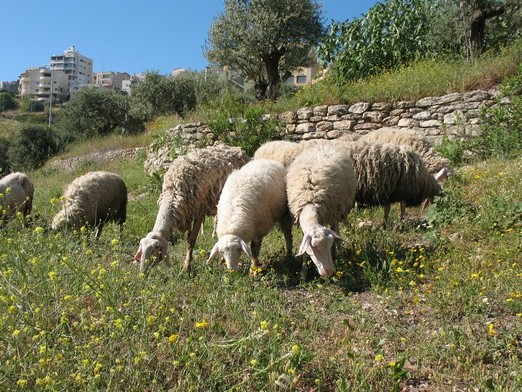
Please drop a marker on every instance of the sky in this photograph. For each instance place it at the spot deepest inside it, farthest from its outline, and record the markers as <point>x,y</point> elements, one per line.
<point>132,36</point>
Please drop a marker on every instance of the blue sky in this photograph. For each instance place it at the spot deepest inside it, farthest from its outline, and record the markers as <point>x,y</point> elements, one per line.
<point>124,36</point>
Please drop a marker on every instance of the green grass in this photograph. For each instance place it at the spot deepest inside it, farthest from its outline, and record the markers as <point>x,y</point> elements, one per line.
<point>433,304</point>
<point>436,303</point>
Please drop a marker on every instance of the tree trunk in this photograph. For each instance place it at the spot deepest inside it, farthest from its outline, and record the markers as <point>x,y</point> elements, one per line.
<point>274,79</point>
<point>260,88</point>
<point>476,26</point>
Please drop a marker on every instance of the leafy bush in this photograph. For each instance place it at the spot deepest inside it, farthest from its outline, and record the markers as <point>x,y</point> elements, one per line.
<point>502,128</point>
<point>7,101</point>
<point>391,34</point>
<point>94,112</point>
<point>243,125</point>
<point>4,160</point>
<point>28,105</point>
<point>32,146</point>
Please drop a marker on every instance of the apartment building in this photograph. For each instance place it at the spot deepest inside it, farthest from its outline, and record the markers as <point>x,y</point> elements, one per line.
<point>78,68</point>
<point>66,74</point>
<point>39,82</point>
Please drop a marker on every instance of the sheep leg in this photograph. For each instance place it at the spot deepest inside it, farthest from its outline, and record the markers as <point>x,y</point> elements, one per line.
<point>255,246</point>
<point>97,231</point>
<point>386,215</point>
<point>190,242</point>
<point>403,211</point>
<point>286,226</point>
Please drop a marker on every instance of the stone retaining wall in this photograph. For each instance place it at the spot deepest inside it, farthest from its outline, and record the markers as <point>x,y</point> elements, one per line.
<point>455,115</point>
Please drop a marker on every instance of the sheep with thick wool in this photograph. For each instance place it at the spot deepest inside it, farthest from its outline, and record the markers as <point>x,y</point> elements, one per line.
<point>388,173</point>
<point>282,151</point>
<point>252,202</point>
<point>191,189</point>
<point>435,163</point>
<point>92,200</point>
<point>16,194</point>
<point>321,185</point>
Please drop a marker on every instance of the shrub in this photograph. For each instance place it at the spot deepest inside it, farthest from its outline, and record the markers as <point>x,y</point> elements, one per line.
<point>502,127</point>
<point>32,146</point>
<point>243,125</point>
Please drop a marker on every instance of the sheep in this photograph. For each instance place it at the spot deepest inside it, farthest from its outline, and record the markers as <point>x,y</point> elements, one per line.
<point>16,194</point>
<point>252,202</point>
<point>388,173</point>
<point>280,150</point>
<point>285,151</point>
<point>321,185</point>
<point>92,200</point>
<point>435,163</point>
<point>191,189</point>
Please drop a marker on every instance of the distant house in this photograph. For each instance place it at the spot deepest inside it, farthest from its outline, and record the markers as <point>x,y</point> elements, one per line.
<point>110,80</point>
<point>127,84</point>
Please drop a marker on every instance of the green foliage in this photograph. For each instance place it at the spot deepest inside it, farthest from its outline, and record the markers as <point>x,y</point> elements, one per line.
<point>4,160</point>
<point>7,101</point>
<point>160,95</point>
<point>502,128</point>
<point>28,105</point>
<point>390,35</point>
<point>94,112</point>
<point>31,146</point>
<point>262,40</point>
<point>238,124</point>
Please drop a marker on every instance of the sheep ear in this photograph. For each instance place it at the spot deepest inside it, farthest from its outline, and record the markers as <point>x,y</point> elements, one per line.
<point>213,252</point>
<point>425,204</point>
<point>246,249</point>
<point>335,235</point>
<point>305,243</point>
<point>164,250</point>
<point>442,174</point>
<point>137,256</point>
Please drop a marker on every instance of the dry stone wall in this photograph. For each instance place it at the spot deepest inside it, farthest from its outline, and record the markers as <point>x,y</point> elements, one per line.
<point>455,115</point>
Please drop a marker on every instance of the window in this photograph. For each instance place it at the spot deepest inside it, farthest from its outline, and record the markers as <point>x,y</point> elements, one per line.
<point>290,80</point>
<point>301,79</point>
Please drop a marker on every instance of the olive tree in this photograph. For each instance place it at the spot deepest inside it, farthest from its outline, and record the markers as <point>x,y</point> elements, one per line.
<point>264,40</point>
<point>96,112</point>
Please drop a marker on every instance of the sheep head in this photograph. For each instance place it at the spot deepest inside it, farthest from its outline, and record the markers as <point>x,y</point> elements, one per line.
<point>231,246</point>
<point>317,243</point>
<point>152,250</point>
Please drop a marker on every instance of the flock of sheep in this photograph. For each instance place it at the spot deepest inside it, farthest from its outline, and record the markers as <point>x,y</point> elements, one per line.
<point>312,183</point>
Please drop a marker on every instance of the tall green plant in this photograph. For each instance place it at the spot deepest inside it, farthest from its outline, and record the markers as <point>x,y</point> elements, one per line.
<point>240,124</point>
<point>391,34</point>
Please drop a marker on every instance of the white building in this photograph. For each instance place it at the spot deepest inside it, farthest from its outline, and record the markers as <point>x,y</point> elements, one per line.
<point>78,68</point>
<point>110,80</point>
<point>38,82</point>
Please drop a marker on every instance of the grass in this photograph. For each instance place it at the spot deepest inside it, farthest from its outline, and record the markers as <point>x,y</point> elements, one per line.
<point>433,304</point>
<point>436,304</point>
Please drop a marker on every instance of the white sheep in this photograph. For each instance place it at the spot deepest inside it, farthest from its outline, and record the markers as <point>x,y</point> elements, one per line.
<point>435,163</point>
<point>16,194</point>
<point>252,202</point>
<point>279,150</point>
<point>92,200</point>
<point>388,173</point>
<point>191,189</point>
<point>321,186</point>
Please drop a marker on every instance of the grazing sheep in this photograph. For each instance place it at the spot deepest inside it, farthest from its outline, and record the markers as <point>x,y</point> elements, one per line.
<point>388,173</point>
<point>321,186</point>
<point>435,163</point>
<point>284,151</point>
<point>252,202</point>
<point>16,194</point>
<point>279,150</point>
<point>93,200</point>
<point>191,189</point>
